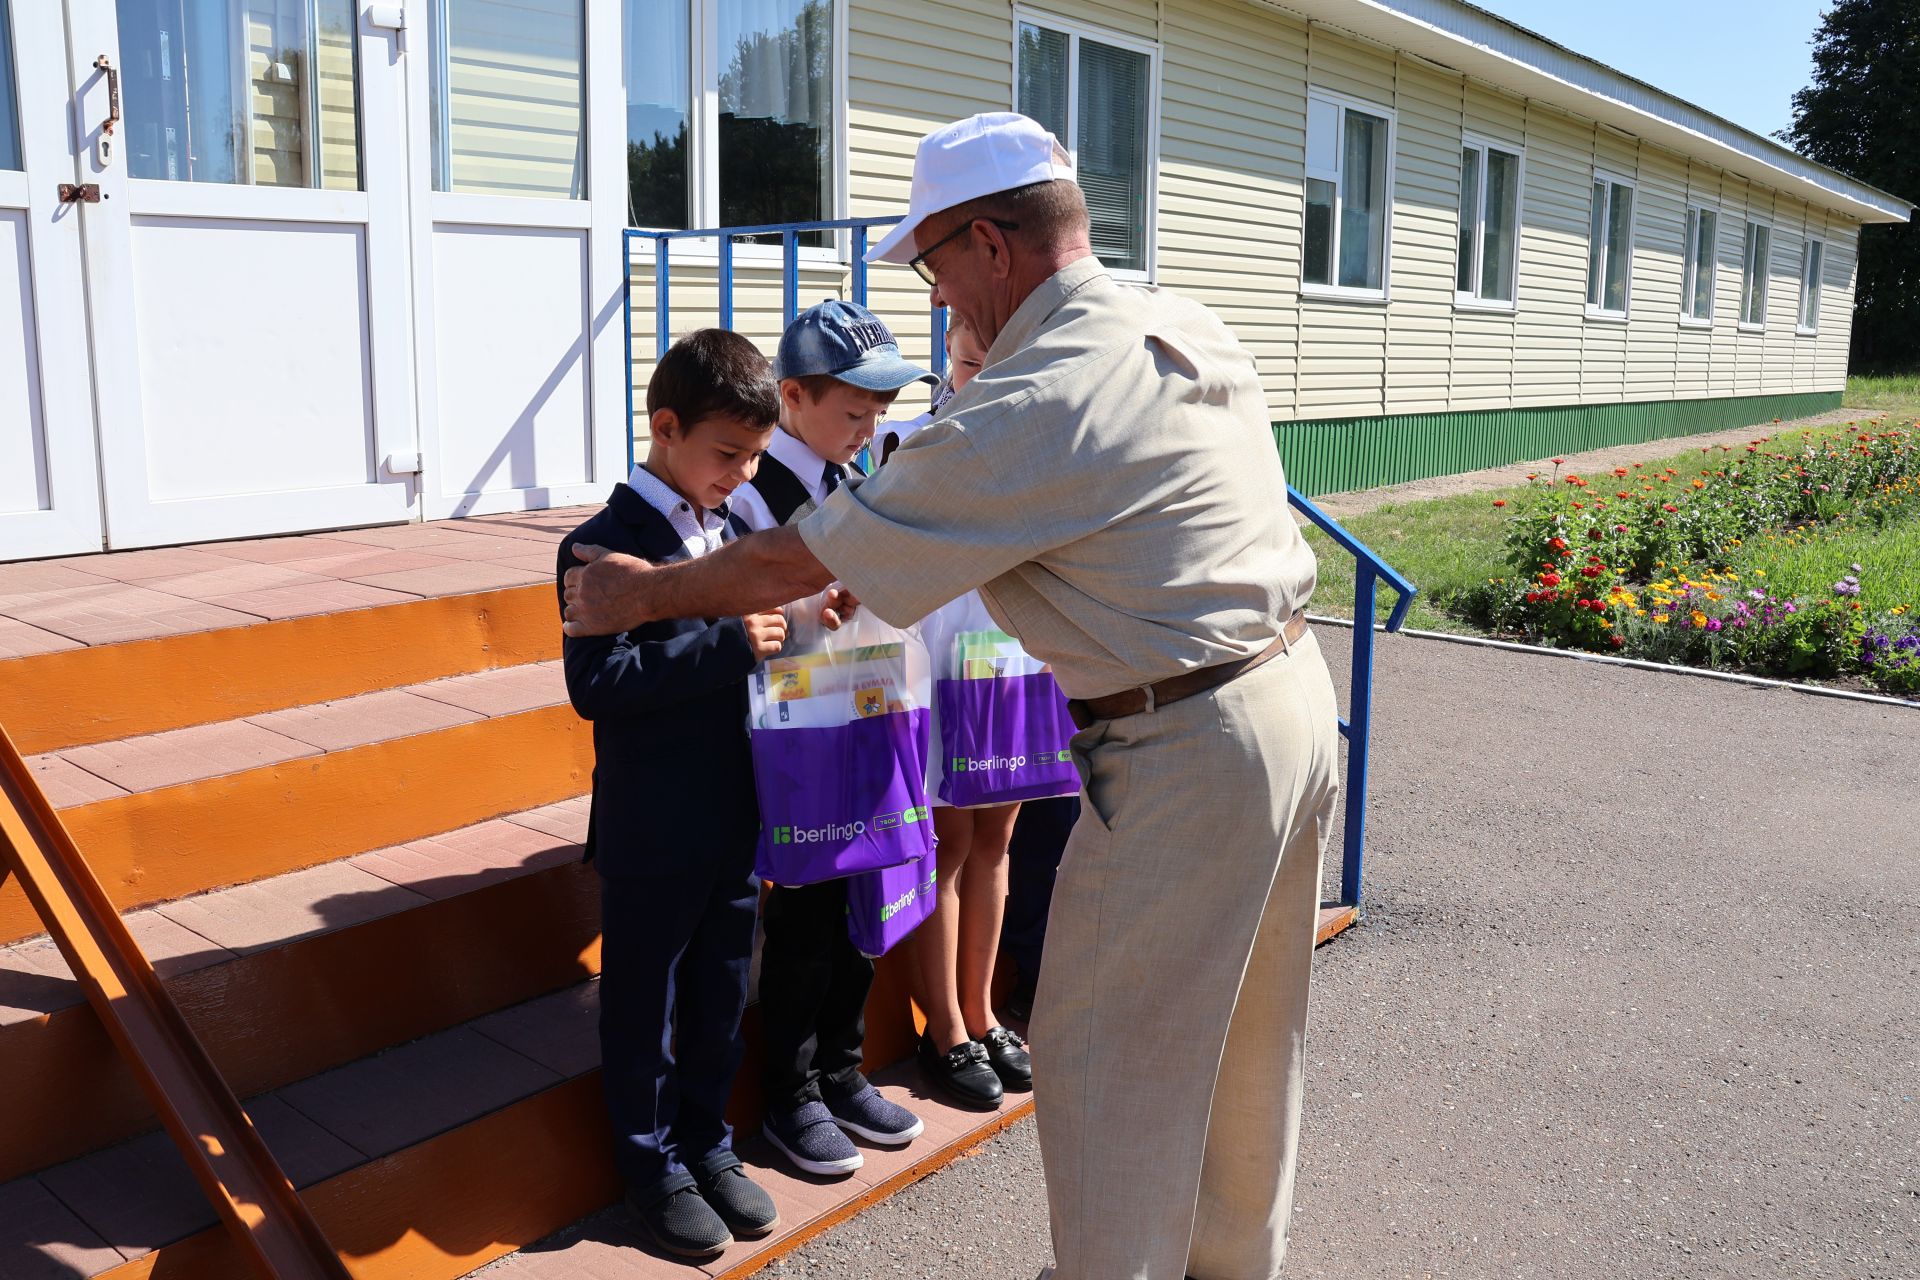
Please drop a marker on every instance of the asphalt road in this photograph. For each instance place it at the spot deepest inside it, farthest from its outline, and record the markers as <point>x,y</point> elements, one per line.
<point>1637,994</point>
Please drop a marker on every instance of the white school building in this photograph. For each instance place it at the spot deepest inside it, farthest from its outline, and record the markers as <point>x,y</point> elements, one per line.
<point>280,265</point>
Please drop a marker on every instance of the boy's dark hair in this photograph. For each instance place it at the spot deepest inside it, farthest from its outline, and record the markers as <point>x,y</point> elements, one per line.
<point>816,385</point>
<point>714,373</point>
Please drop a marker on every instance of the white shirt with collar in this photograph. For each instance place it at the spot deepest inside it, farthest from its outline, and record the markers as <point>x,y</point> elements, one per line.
<point>807,466</point>
<point>700,533</point>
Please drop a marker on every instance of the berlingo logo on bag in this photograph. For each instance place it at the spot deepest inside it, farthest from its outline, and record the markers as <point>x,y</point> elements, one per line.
<point>848,830</point>
<point>967,764</point>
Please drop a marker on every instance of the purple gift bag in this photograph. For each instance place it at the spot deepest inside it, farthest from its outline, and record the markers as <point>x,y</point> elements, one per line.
<point>1004,740</point>
<point>885,906</point>
<point>841,799</point>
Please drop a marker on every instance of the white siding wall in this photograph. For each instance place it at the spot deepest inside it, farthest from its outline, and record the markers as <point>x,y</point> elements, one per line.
<point>1233,103</point>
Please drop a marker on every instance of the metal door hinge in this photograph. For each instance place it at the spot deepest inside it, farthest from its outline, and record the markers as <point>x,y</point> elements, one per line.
<point>80,193</point>
<point>392,17</point>
<point>402,464</point>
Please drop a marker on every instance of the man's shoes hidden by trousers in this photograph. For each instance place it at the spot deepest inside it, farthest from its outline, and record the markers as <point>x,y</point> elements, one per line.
<point>683,1224</point>
<point>868,1115</point>
<point>964,1073</point>
<point>1007,1054</point>
<point>812,1139</point>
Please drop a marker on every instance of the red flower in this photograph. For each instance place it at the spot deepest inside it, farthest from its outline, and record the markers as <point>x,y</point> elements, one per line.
<point>1619,528</point>
<point>1558,544</point>
<point>1591,571</point>
<point>1558,461</point>
<point>1619,471</point>
<point>1623,494</point>
<point>1595,534</point>
<point>1579,506</point>
<point>1499,502</point>
<point>1616,640</point>
<point>1549,579</point>
<point>1581,604</point>
<point>1668,506</point>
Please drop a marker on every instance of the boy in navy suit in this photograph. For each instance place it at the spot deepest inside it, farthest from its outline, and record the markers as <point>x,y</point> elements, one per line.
<point>674,816</point>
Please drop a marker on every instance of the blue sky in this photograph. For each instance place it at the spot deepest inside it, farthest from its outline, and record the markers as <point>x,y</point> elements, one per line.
<point>1742,59</point>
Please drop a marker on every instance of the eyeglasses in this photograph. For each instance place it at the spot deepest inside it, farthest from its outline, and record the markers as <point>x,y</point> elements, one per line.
<point>919,261</point>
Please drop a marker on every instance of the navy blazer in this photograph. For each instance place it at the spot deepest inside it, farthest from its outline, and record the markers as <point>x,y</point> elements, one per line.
<point>672,773</point>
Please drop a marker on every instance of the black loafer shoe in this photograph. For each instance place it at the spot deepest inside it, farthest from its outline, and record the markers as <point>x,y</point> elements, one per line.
<point>684,1224</point>
<point>963,1072</point>
<point>1007,1054</point>
<point>746,1208</point>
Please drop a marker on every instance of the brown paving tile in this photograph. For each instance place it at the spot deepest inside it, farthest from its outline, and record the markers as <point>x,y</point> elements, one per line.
<point>541,561</point>
<point>185,755</point>
<point>452,579</point>
<point>18,640</point>
<point>113,612</point>
<point>407,537</point>
<point>231,577</point>
<point>138,566</point>
<point>460,861</point>
<point>40,1239</point>
<point>352,562</point>
<point>280,550</point>
<point>564,818</point>
<point>35,979</point>
<point>139,1195</point>
<point>322,595</point>
<point>406,1095</point>
<point>561,1031</point>
<point>269,913</point>
<point>372,717</point>
<point>607,1246</point>
<point>513,531</point>
<point>66,783</point>
<point>37,577</point>
<point>502,691</point>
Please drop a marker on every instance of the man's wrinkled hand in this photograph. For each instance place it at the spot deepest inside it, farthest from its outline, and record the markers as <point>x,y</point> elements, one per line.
<point>607,594</point>
<point>766,632</point>
<point>838,608</point>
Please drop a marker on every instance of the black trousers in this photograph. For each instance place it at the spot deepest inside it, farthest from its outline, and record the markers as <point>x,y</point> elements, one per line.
<point>1033,858</point>
<point>813,997</point>
<point>676,944</point>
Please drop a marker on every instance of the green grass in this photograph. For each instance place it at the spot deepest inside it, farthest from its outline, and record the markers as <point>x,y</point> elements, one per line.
<point>1896,393</point>
<point>1809,563</point>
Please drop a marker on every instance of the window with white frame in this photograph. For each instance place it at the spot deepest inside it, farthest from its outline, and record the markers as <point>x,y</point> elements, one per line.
<point>1489,223</point>
<point>1610,246</point>
<point>732,111</point>
<point>1349,185</point>
<point>1753,275</point>
<point>1812,257</point>
<point>1094,91</point>
<point>1696,277</point>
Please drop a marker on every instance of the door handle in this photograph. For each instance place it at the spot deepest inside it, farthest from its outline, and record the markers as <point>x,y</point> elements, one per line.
<point>103,146</point>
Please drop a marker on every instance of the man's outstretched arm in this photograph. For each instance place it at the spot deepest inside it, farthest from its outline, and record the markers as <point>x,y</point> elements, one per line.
<point>611,593</point>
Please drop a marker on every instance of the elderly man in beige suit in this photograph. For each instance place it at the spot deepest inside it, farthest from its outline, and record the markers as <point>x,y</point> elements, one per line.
<point>1109,482</point>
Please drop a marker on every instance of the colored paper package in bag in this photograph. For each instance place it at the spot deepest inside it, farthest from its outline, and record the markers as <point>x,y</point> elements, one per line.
<point>839,726</point>
<point>885,906</point>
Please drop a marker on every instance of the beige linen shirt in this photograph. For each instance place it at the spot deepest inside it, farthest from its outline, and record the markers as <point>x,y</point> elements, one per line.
<point>1108,480</point>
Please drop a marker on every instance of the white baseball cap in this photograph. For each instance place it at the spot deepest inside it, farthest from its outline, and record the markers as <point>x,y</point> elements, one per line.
<point>962,161</point>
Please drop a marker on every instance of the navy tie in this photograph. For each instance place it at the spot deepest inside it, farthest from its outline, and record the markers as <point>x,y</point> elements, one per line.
<point>834,473</point>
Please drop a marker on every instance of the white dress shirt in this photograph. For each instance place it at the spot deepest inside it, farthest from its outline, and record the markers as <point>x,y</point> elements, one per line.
<point>700,533</point>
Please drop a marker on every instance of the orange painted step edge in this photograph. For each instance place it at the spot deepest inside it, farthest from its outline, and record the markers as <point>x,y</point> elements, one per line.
<point>79,696</point>
<point>406,975</point>
<point>156,846</point>
<point>1334,921</point>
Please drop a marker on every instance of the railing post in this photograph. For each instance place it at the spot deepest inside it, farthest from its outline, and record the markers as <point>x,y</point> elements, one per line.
<point>860,265</point>
<point>789,276</point>
<point>626,313</point>
<point>662,312</point>
<point>726,282</point>
<point>1359,730</point>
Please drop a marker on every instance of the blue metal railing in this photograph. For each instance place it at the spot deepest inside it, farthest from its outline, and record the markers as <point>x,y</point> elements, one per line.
<point>789,233</point>
<point>1369,569</point>
<point>1357,725</point>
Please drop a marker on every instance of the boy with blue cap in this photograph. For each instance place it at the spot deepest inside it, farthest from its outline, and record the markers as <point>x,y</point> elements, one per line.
<point>839,370</point>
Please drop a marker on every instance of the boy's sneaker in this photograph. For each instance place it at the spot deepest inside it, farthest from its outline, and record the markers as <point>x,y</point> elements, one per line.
<point>1007,1053</point>
<point>747,1209</point>
<point>683,1224</point>
<point>811,1138</point>
<point>868,1115</point>
<point>964,1072</point>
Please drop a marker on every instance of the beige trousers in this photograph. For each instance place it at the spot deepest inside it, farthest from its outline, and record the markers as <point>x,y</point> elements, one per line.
<point>1172,1006</point>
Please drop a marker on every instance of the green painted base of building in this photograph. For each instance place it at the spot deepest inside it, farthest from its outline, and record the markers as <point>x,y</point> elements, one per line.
<point>1343,454</point>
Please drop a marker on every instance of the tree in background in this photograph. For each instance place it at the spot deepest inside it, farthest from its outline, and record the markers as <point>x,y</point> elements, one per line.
<point>1858,117</point>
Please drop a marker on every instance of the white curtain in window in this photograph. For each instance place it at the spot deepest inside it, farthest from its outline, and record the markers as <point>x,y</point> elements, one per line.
<point>1043,78</point>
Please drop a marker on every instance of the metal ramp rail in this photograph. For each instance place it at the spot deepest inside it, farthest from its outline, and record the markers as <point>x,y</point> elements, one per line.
<point>1370,571</point>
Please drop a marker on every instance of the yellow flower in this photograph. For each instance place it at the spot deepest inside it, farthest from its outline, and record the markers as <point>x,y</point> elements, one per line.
<point>1699,618</point>
<point>1760,573</point>
<point>1713,595</point>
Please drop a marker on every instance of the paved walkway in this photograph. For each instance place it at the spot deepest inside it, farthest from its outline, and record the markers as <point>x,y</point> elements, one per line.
<point>1635,996</point>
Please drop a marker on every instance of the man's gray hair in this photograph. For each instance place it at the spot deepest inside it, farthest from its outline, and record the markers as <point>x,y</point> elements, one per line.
<point>1050,214</point>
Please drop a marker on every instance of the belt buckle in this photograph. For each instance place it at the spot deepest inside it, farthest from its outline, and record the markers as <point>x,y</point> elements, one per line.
<point>1152,704</point>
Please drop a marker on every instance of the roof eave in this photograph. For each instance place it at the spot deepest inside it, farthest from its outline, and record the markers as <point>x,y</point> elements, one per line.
<point>1487,47</point>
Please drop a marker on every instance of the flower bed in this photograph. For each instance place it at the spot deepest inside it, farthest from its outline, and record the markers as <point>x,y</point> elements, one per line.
<point>1665,565</point>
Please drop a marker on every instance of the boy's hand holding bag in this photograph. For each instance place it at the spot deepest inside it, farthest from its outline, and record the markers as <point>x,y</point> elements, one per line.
<point>839,726</point>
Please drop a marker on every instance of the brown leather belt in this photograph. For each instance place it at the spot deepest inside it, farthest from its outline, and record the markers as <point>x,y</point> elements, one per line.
<point>1088,711</point>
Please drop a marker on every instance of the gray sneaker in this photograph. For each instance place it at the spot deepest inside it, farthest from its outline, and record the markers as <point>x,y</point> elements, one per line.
<point>811,1138</point>
<point>868,1115</point>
